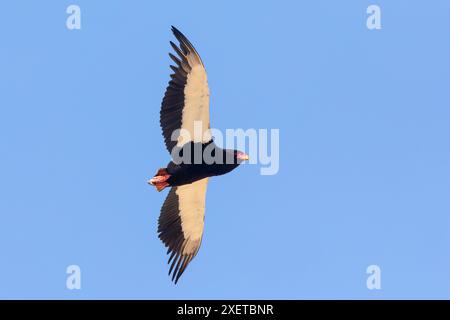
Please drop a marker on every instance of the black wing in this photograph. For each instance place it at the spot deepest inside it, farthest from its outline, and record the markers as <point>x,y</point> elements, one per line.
<point>186,101</point>
<point>180,224</point>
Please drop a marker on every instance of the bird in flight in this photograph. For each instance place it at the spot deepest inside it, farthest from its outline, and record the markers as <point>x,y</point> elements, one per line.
<point>184,119</point>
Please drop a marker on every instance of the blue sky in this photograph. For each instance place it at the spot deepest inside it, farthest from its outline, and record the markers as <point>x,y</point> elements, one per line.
<point>364,120</point>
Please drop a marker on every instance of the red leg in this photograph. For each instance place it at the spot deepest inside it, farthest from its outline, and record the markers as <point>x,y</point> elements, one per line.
<point>160,179</point>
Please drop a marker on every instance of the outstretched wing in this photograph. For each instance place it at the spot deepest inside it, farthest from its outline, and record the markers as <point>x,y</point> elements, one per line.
<point>186,101</point>
<point>180,225</point>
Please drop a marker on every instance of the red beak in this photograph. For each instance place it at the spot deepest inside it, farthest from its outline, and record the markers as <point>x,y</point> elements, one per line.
<point>242,156</point>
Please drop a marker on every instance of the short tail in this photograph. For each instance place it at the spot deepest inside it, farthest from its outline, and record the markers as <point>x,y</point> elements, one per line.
<point>159,181</point>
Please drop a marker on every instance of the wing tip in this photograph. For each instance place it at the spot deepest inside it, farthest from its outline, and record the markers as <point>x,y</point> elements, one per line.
<point>175,29</point>
<point>177,33</point>
<point>185,41</point>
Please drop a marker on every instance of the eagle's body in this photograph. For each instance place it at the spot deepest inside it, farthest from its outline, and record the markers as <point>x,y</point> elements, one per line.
<point>200,168</point>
